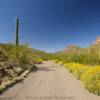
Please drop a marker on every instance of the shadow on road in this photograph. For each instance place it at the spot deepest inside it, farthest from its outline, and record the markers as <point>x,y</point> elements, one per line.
<point>45,69</point>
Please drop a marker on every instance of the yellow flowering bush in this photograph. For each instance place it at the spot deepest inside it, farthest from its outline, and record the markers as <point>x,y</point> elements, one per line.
<point>75,68</point>
<point>60,62</point>
<point>38,60</point>
<point>91,79</point>
<point>80,71</point>
<point>90,76</point>
<point>55,61</point>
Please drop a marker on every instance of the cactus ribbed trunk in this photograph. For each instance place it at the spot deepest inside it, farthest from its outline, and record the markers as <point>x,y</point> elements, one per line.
<point>17,37</point>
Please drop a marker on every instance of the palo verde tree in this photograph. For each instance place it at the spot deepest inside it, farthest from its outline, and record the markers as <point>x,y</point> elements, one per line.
<point>17,38</point>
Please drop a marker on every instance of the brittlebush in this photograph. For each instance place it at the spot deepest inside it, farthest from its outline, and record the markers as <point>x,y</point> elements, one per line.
<point>90,76</point>
<point>76,69</point>
<point>91,79</point>
<point>60,63</point>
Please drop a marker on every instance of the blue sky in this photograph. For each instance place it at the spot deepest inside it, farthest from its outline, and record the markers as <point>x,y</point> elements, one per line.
<point>50,25</point>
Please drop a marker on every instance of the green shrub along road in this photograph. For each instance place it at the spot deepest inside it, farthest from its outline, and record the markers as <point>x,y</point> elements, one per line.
<point>17,60</point>
<point>12,70</point>
<point>88,75</point>
<point>84,63</point>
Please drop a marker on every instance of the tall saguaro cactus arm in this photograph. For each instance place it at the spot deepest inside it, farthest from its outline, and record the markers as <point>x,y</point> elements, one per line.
<point>17,37</point>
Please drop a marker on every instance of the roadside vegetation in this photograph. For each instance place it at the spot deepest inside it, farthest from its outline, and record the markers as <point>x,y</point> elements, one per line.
<point>83,63</point>
<point>13,70</point>
<point>17,60</point>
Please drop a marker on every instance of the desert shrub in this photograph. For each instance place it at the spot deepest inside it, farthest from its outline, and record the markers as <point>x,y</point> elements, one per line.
<point>55,61</point>
<point>23,59</point>
<point>76,69</point>
<point>73,66</point>
<point>37,60</point>
<point>1,88</point>
<point>60,62</point>
<point>90,76</point>
<point>91,79</point>
<point>78,73</point>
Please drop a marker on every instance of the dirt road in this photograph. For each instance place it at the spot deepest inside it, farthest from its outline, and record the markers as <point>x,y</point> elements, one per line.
<point>50,82</point>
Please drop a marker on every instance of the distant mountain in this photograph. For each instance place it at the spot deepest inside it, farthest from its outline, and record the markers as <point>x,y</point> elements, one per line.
<point>97,40</point>
<point>96,44</point>
<point>71,48</point>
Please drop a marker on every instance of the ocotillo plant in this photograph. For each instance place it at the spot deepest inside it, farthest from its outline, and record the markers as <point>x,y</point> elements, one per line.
<point>17,37</point>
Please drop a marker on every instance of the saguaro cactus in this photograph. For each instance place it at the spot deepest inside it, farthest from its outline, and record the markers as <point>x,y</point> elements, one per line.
<point>17,37</point>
